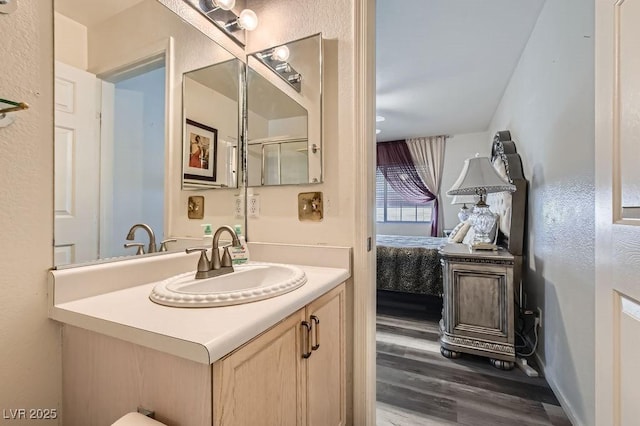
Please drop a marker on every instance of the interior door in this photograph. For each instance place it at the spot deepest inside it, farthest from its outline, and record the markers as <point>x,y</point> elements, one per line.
<point>617,163</point>
<point>76,166</point>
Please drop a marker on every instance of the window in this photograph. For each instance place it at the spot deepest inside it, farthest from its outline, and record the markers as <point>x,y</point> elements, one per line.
<point>391,207</point>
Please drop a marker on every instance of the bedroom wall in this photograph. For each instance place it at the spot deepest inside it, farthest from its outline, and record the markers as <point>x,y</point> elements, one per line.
<point>549,109</point>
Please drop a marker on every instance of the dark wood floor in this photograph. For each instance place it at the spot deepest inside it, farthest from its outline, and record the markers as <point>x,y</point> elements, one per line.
<point>418,386</point>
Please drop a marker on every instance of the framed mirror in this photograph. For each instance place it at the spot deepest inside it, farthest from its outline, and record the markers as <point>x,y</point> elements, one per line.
<point>119,127</point>
<point>284,114</point>
<point>211,128</point>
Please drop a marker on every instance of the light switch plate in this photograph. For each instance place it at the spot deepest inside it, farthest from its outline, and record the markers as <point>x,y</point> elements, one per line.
<point>310,206</point>
<point>195,208</point>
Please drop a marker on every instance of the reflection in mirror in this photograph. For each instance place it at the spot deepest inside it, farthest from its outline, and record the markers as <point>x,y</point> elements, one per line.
<point>118,123</point>
<point>284,114</point>
<point>210,98</point>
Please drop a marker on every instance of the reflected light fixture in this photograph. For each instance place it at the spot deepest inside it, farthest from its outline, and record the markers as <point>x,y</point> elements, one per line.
<point>280,53</point>
<point>276,59</point>
<point>478,177</point>
<point>379,118</point>
<point>378,131</point>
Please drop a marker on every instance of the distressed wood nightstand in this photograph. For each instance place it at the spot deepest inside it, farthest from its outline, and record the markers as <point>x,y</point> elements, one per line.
<point>478,305</point>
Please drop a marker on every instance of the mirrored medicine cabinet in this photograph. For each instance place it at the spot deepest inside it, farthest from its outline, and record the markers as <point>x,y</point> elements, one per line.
<point>284,114</point>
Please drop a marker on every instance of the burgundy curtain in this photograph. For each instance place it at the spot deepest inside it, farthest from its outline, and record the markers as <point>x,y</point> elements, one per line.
<point>395,162</point>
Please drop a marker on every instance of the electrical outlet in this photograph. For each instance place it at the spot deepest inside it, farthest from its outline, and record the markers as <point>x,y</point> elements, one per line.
<point>237,207</point>
<point>254,205</point>
<point>539,317</point>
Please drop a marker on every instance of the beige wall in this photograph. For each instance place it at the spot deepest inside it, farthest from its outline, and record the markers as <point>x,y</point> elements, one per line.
<point>70,42</point>
<point>278,221</point>
<point>30,360</point>
<point>549,109</point>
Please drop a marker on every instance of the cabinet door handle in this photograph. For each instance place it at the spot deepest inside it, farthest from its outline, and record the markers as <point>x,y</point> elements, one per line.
<point>316,334</point>
<point>306,332</point>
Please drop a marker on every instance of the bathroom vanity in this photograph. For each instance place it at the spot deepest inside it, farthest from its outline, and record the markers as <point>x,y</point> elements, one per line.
<point>278,361</point>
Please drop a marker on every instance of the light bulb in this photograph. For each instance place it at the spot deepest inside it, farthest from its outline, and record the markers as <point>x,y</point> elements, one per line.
<point>248,20</point>
<point>225,4</point>
<point>280,53</point>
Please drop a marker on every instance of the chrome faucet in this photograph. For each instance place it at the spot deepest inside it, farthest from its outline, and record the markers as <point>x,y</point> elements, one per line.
<point>216,266</point>
<point>152,237</point>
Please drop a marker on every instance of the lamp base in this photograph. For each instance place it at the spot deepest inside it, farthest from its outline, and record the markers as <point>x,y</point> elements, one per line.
<point>483,247</point>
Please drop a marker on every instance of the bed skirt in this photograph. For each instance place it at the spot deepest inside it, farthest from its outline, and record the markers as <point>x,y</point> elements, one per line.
<point>409,270</point>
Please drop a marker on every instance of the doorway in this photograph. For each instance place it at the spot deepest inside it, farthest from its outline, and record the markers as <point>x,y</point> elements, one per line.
<point>132,154</point>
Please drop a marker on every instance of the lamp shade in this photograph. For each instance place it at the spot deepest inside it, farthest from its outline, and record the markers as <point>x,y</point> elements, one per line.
<point>479,176</point>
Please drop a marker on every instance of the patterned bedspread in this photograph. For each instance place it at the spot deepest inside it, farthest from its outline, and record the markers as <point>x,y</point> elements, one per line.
<point>409,264</point>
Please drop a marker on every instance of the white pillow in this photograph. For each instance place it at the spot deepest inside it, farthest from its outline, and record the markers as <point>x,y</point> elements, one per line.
<point>458,233</point>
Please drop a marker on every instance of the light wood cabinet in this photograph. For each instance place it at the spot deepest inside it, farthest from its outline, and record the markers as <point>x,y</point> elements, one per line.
<point>293,374</point>
<point>267,381</point>
<point>478,306</point>
<point>326,393</point>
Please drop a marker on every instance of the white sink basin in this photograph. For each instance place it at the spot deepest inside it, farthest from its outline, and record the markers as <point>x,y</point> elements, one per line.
<point>248,283</point>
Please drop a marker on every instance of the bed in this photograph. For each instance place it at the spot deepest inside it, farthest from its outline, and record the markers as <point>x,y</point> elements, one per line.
<point>409,264</point>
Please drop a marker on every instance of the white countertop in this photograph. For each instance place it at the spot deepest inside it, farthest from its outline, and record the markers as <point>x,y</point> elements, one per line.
<point>200,334</point>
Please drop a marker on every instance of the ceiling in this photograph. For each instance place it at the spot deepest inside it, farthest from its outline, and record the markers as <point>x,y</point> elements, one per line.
<point>443,65</point>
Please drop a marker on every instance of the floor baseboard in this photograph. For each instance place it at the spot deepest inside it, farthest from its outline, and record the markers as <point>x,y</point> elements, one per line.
<point>566,406</point>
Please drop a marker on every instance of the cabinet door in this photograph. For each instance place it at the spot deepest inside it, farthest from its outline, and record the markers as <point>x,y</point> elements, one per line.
<point>482,302</point>
<point>326,396</point>
<point>262,383</point>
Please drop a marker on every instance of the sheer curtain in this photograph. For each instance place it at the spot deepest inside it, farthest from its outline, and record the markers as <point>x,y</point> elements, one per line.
<point>427,155</point>
<point>395,163</point>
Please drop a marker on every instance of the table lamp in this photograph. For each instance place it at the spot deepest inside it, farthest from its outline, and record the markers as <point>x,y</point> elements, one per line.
<point>478,177</point>
<point>464,212</point>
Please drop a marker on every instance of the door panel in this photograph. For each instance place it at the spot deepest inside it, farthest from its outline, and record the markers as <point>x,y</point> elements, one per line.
<point>617,212</point>
<point>76,166</point>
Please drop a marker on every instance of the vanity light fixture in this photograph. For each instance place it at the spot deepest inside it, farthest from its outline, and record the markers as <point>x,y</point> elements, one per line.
<point>221,13</point>
<point>212,5</point>
<point>276,59</point>
<point>248,20</point>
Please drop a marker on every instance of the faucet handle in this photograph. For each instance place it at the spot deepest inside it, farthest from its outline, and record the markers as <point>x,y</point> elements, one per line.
<point>163,243</point>
<point>139,245</point>
<point>226,258</point>
<point>203,263</point>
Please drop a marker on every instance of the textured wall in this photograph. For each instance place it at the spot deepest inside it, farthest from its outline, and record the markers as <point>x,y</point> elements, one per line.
<point>549,108</point>
<point>30,356</point>
<point>288,20</point>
